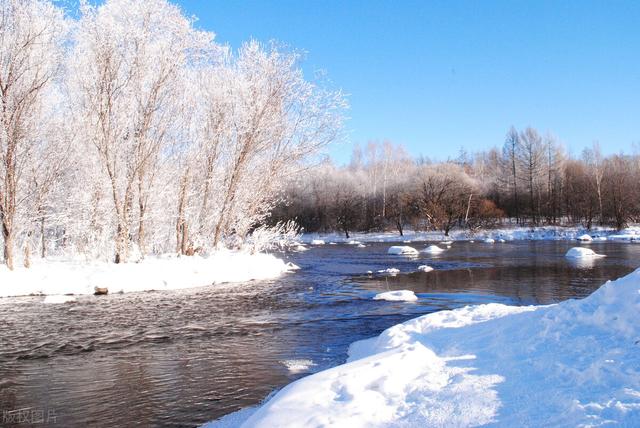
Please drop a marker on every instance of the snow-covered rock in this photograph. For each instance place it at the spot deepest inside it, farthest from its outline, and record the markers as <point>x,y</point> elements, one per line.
<point>585,238</point>
<point>390,271</point>
<point>570,364</point>
<point>397,296</point>
<point>153,273</point>
<point>433,249</point>
<point>317,242</point>
<point>580,252</point>
<point>402,250</point>
<point>425,268</point>
<point>489,241</point>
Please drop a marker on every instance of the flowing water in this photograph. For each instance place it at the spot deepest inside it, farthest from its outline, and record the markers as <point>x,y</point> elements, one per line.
<point>185,357</point>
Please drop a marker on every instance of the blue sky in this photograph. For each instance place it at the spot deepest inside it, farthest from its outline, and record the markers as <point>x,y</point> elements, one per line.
<point>436,76</point>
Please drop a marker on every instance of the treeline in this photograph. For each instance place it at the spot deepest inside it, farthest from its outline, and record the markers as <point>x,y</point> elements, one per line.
<point>128,131</point>
<point>530,180</point>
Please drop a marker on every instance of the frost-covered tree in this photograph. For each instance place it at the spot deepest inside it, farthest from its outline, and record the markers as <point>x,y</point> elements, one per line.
<point>127,60</point>
<point>31,51</point>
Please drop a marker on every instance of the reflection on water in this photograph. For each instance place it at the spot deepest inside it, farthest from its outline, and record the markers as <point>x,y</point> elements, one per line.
<point>182,358</point>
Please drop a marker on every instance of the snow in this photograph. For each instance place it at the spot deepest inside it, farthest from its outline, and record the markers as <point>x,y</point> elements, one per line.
<point>58,299</point>
<point>390,271</point>
<point>585,238</point>
<point>489,241</point>
<point>579,252</point>
<point>570,364</point>
<point>298,366</point>
<point>402,250</point>
<point>433,249</point>
<point>397,296</point>
<point>425,268</point>
<point>544,233</point>
<point>153,273</point>
<point>317,242</point>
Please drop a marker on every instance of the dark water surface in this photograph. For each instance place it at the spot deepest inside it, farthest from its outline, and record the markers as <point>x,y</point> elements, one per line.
<point>185,357</point>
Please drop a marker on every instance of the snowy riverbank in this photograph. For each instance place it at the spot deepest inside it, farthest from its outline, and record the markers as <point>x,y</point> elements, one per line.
<point>570,364</point>
<point>546,233</point>
<point>154,273</point>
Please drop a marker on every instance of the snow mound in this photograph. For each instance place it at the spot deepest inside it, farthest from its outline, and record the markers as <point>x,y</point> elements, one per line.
<point>58,299</point>
<point>361,246</point>
<point>579,252</point>
<point>390,271</point>
<point>584,238</point>
<point>397,296</point>
<point>317,242</point>
<point>489,241</point>
<point>433,249</point>
<point>502,241</point>
<point>425,268</point>
<point>402,250</point>
<point>570,364</point>
<point>353,242</point>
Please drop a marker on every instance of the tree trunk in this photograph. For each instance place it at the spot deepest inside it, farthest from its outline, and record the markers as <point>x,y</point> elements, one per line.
<point>8,246</point>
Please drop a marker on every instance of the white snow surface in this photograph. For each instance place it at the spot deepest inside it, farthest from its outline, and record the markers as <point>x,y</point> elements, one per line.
<point>425,268</point>
<point>153,273</point>
<point>402,250</point>
<point>58,299</point>
<point>581,252</point>
<point>576,363</point>
<point>585,238</point>
<point>317,242</point>
<point>397,296</point>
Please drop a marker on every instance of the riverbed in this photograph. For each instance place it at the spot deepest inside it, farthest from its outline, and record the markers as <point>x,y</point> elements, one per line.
<point>181,358</point>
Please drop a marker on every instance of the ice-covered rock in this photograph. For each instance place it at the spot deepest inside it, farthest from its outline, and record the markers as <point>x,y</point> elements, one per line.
<point>402,250</point>
<point>580,252</point>
<point>397,296</point>
<point>433,249</point>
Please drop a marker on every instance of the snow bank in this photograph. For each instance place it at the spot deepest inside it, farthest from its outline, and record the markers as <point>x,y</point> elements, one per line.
<point>579,252</point>
<point>571,364</point>
<point>397,296</point>
<point>154,273</point>
<point>402,250</point>
<point>425,268</point>
<point>433,249</point>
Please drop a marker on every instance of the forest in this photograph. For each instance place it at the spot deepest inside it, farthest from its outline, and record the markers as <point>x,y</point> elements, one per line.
<point>125,131</point>
<point>529,181</point>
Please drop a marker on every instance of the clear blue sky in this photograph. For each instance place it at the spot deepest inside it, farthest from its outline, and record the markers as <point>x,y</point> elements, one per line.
<point>438,75</point>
